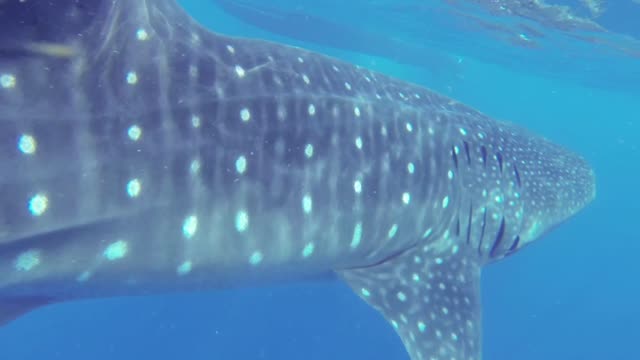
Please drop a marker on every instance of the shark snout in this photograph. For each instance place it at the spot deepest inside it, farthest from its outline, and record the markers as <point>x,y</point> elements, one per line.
<point>575,186</point>
<point>580,188</point>
<point>563,185</point>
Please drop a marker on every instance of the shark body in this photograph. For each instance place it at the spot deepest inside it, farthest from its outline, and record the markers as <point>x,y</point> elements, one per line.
<point>143,154</point>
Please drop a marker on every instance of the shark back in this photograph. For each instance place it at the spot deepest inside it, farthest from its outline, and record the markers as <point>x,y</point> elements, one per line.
<point>141,154</point>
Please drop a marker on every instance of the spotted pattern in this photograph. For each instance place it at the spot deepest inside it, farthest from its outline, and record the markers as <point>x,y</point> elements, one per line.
<point>184,268</point>
<point>38,204</point>
<point>437,315</point>
<point>205,158</point>
<point>27,144</point>
<point>190,226</point>
<point>132,78</point>
<point>134,132</point>
<point>116,250</point>
<point>27,260</point>
<point>7,81</point>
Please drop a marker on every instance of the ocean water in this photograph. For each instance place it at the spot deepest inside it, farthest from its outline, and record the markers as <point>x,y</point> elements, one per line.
<point>572,295</point>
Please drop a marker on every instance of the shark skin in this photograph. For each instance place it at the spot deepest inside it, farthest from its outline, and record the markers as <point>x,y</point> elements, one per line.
<point>143,154</point>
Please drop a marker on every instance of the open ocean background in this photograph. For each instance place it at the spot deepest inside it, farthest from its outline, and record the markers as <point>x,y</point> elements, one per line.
<point>573,295</point>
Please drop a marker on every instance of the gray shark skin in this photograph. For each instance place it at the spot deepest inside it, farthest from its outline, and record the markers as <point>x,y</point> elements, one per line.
<point>143,154</point>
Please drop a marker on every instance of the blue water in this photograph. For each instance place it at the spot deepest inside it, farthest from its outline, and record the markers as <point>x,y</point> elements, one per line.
<point>573,295</point>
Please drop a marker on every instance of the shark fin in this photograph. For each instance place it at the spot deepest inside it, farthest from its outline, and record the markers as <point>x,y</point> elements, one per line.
<point>431,299</point>
<point>12,308</point>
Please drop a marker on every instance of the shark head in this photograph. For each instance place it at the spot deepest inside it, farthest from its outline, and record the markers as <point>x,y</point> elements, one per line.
<point>143,154</point>
<point>546,184</point>
<point>560,185</point>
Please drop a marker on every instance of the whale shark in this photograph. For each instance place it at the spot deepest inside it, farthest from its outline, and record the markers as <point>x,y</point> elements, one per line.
<point>144,154</point>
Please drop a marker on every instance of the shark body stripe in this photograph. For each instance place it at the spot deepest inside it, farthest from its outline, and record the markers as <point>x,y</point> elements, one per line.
<point>141,153</point>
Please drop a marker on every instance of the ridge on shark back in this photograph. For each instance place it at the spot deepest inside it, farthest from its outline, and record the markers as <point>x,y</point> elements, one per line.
<point>143,154</point>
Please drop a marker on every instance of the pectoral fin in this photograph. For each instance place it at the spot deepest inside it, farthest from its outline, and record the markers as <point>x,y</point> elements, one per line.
<point>431,299</point>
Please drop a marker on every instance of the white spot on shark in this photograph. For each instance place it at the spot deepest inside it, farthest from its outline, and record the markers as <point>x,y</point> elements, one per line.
<point>27,260</point>
<point>195,121</point>
<point>134,132</point>
<point>241,164</point>
<point>194,168</point>
<point>190,226</point>
<point>308,250</point>
<point>184,268</point>
<point>256,258</point>
<point>357,186</point>
<point>308,151</point>
<point>421,326</point>
<point>357,236</point>
<point>142,34</point>
<point>393,231</point>
<point>240,71</point>
<point>116,250</point>
<point>27,144</point>
<point>132,78</point>
<point>245,115</point>
<point>134,186</point>
<point>38,204</point>
<point>307,204</point>
<point>7,81</point>
<point>242,221</point>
